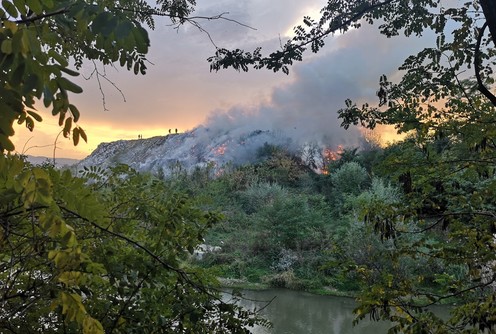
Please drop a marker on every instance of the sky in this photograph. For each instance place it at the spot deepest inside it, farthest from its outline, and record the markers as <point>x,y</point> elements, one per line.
<point>180,92</point>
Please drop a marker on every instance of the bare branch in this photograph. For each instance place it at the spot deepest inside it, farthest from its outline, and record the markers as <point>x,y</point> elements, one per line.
<point>98,75</point>
<point>218,17</point>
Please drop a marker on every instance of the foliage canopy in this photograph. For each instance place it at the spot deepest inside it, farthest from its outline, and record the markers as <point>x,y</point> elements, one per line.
<point>56,230</point>
<point>108,257</point>
<point>107,252</point>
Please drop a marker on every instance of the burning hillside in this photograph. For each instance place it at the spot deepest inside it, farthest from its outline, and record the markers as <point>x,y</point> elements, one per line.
<point>197,148</point>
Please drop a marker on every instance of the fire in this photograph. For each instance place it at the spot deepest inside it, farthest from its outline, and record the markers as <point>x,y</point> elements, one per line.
<point>221,150</point>
<point>330,155</point>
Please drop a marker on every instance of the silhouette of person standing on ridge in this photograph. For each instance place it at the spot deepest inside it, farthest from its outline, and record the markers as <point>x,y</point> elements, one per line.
<point>176,130</point>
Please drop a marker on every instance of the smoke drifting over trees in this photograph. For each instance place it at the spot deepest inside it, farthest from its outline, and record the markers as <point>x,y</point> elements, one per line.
<point>305,109</point>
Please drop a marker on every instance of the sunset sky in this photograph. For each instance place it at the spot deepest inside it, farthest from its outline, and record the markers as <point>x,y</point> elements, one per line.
<point>180,92</point>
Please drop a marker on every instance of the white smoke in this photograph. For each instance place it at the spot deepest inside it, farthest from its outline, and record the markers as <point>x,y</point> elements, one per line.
<point>305,109</point>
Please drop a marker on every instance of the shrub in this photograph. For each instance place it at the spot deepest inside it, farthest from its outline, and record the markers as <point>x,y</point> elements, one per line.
<point>350,178</point>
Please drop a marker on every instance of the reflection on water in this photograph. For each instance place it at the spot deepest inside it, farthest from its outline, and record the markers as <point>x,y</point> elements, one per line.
<point>294,312</point>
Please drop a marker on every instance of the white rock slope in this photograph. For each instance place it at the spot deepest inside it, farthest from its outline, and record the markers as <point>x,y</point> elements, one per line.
<point>198,147</point>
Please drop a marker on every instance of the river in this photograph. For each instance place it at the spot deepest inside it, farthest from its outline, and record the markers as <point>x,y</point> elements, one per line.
<point>296,312</point>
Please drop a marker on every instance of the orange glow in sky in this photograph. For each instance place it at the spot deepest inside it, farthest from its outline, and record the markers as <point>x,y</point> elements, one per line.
<point>41,142</point>
<point>179,91</point>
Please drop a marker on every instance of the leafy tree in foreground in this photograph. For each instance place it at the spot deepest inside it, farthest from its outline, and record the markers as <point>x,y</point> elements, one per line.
<point>445,99</point>
<point>111,257</point>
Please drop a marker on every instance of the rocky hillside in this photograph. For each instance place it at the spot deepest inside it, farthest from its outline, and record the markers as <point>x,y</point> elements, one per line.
<point>188,150</point>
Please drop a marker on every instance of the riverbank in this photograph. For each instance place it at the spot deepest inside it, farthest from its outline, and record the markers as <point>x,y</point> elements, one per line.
<point>234,283</point>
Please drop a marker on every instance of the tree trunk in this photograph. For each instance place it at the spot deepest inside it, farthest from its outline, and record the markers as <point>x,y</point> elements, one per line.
<point>489,8</point>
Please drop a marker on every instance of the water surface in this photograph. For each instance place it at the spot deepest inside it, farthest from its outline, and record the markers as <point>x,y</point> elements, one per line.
<point>296,312</point>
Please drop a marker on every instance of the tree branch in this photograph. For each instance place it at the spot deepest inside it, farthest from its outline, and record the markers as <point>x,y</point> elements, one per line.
<point>181,273</point>
<point>217,17</point>
<point>489,9</point>
<point>477,67</point>
<point>125,305</point>
<point>334,20</point>
<point>332,29</point>
<point>34,18</point>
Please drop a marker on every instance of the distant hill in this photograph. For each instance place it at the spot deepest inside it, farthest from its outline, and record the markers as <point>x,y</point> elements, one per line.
<point>59,162</point>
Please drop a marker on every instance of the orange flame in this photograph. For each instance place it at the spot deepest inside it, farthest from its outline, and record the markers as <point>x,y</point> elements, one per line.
<point>329,156</point>
<point>221,150</point>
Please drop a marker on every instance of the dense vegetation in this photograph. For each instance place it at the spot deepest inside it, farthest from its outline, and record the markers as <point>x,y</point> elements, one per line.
<point>445,215</point>
<point>286,225</point>
<point>413,224</point>
<point>104,252</point>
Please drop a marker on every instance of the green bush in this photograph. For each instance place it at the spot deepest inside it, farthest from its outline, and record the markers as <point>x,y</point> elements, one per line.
<point>350,178</point>
<point>259,195</point>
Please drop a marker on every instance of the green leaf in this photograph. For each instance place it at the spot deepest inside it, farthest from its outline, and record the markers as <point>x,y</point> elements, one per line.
<point>18,74</point>
<point>92,326</point>
<point>5,143</point>
<point>142,40</point>
<point>68,85</point>
<point>123,30</point>
<point>22,118</point>
<point>75,112</point>
<point>72,307</point>
<point>35,6</point>
<point>10,8</point>
<point>68,71</point>
<point>34,115</point>
<point>59,58</point>
<point>30,83</point>
<point>70,239</point>
<point>104,24</point>
<point>6,127</point>
<point>22,37</point>
<point>75,136</point>
<point>12,26</point>
<point>29,124</point>
<point>83,134</point>
<point>47,96</point>
<point>47,3</point>
<point>67,127</point>
<point>70,278</point>
<point>7,46</point>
